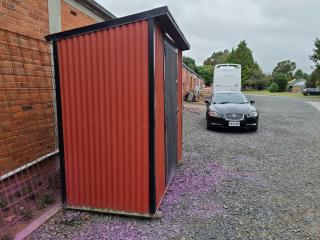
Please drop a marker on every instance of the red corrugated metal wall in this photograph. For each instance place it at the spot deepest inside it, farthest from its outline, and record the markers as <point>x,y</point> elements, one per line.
<point>159,141</point>
<point>104,93</point>
<point>180,105</point>
<point>160,131</point>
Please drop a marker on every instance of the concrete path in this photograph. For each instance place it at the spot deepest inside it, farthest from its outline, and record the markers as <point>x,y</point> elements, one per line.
<point>315,104</point>
<point>38,222</point>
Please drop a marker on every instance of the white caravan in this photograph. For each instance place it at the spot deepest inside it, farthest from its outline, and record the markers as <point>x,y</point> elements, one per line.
<point>227,77</point>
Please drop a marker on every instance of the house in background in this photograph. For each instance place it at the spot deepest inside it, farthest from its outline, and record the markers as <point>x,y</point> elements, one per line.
<point>296,85</point>
<point>28,136</point>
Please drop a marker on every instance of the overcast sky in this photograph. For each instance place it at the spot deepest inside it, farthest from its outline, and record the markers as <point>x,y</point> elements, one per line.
<point>275,30</point>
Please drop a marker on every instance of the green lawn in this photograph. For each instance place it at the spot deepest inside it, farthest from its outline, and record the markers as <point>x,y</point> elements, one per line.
<point>284,94</point>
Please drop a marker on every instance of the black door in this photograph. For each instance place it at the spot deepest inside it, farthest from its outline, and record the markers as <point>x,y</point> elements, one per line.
<point>171,106</point>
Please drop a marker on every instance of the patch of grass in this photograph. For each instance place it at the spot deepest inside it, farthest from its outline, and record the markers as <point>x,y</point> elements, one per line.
<point>283,94</point>
<point>28,189</point>
<point>3,204</point>
<point>6,236</point>
<point>17,194</point>
<point>28,214</point>
<point>53,181</point>
<point>46,199</point>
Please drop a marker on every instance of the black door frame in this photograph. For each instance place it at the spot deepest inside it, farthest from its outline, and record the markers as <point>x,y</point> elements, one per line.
<point>172,46</point>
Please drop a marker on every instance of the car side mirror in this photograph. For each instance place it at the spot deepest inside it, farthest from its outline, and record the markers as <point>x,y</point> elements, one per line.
<point>207,102</point>
<point>252,101</point>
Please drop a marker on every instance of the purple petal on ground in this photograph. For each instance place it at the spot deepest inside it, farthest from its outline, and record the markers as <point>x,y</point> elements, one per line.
<point>184,197</point>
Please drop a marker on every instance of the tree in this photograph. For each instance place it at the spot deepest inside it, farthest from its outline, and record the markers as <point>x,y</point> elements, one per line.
<point>259,81</point>
<point>284,67</point>
<point>314,79</point>
<point>206,72</point>
<point>256,80</point>
<point>267,79</point>
<point>273,87</point>
<point>217,58</point>
<point>315,57</point>
<point>190,62</point>
<point>243,55</point>
<point>282,81</point>
<point>298,74</point>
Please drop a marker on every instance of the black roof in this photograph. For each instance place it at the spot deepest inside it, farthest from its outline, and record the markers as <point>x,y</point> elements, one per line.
<point>161,16</point>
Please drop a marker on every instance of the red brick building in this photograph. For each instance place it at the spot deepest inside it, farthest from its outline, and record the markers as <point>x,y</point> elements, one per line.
<point>190,80</point>
<point>27,97</point>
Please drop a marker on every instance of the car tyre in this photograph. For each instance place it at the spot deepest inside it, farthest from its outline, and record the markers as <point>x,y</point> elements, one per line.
<point>209,127</point>
<point>255,128</point>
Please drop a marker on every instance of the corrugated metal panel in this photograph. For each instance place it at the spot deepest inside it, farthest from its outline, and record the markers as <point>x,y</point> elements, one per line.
<point>159,124</point>
<point>180,105</point>
<point>104,93</point>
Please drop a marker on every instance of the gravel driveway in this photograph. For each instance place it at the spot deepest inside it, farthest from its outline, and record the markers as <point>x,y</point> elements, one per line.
<point>232,185</point>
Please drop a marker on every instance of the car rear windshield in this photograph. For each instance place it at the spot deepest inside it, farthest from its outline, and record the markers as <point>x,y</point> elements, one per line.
<point>224,98</point>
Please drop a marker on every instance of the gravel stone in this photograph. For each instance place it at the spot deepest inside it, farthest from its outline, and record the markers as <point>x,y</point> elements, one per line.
<point>231,185</point>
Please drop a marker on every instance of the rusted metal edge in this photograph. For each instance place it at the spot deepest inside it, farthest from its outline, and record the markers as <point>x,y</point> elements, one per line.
<point>156,215</point>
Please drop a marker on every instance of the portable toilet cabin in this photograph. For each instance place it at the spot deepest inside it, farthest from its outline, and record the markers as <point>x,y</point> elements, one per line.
<point>119,108</point>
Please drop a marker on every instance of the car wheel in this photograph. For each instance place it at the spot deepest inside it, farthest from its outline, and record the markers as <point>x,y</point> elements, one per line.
<point>209,127</point>
<point>255,128</point>
<point>308,94</point>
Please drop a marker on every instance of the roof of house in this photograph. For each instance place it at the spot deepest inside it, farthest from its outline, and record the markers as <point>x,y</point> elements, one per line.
<point>186,66</point>
<point>295,81</point>
<point>97,8</point>
<point>161,16</point>
<point>300,84</point>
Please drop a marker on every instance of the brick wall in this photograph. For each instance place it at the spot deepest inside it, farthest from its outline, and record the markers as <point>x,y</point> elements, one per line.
<point>26,108</point>
<point>72,17</point>
<point>190,80</point>
<point>26,91</point>
<point>185,80</point>
<point>25,16</point>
